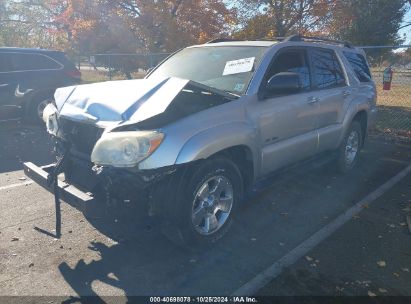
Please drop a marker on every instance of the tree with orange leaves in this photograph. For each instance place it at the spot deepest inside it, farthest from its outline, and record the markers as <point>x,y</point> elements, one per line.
<point>85,26</point>
<point>270,18</point>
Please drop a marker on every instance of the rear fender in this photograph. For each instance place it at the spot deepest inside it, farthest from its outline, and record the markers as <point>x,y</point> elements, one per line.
<point>349,117</point>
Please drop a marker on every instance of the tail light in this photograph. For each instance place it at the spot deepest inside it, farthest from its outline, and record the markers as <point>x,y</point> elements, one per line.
<point>73,73</point>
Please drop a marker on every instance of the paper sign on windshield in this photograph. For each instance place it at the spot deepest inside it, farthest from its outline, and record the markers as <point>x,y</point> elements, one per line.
<point>239,66</point>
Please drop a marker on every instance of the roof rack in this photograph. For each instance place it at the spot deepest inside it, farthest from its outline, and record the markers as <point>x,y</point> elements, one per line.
<point>217,40</point>
<point>318,39</point>
<point>294,38</point>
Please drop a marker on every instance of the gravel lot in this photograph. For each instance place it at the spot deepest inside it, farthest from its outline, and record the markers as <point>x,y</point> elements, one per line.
<point>124,257</point>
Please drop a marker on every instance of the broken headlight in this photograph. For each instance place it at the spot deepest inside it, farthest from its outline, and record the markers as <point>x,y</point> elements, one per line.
<point>125,149</point>
<point>50,118</point>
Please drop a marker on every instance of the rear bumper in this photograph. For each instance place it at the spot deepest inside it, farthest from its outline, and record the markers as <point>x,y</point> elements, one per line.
<point>69,193</point>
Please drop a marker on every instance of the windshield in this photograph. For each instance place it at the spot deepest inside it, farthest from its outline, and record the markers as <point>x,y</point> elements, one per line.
<point>228,68</point>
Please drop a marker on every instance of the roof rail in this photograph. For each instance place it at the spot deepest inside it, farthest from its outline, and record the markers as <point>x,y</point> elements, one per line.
<point>319,39</point>
<point>217,40</point>
<point>295,37</point>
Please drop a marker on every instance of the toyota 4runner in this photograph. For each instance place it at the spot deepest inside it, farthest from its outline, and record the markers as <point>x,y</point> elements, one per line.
<point>196,134</point>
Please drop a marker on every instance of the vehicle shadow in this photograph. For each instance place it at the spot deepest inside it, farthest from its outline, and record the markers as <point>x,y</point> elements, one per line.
<point>21,143</point>
<point>139,261</point>
<point>142,261</point>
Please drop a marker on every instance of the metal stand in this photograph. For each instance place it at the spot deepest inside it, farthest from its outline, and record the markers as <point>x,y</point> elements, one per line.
<point>53,180</point>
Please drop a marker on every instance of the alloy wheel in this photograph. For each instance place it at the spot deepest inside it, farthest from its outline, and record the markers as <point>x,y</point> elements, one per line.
<point>212,205</point>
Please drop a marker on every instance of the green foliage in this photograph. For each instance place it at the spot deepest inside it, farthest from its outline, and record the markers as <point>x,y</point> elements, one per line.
<point>283,17</point>
<point>365,22</point>
<point>113,26</point>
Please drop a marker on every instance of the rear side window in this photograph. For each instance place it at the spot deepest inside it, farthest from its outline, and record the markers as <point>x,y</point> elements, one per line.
<point>64,60</point>
<point>327,69</point>
<point>359,65</point>
<point>30,62</point>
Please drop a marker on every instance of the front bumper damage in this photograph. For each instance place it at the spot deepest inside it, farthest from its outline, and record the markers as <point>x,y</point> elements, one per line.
<point>113,185</point>
<point>69,193</point>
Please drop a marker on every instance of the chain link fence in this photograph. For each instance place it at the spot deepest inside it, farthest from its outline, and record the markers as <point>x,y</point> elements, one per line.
<point>103,67</point>
<point>394,105</point>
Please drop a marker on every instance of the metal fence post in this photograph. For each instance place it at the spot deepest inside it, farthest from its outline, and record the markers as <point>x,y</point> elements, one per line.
<point>109,67</point>
<point>151,60</point>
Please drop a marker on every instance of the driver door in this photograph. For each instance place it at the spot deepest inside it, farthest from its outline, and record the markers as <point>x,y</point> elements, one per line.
<point>288,122</point>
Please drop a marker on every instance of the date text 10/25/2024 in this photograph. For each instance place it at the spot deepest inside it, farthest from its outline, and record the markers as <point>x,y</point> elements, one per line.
<point>203,300</point>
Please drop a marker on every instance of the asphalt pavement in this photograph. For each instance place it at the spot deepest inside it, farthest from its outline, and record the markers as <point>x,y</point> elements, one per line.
<point>124,257</point>
<point>369,256</point>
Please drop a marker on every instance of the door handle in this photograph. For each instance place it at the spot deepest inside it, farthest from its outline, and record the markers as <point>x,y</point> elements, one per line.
<point>312,100</point>
<point>346,93</point>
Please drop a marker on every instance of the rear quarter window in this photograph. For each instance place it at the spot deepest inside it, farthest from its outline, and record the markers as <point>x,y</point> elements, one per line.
<point>359,66</point>
<point>64,60</point>
<point>33,62</point>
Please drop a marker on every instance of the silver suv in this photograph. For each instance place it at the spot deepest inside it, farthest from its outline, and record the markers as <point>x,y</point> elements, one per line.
<point>196,134</point>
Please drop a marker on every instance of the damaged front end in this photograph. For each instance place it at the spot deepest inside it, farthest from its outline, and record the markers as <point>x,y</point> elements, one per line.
<point>90,188</point>
<point>103,131</point>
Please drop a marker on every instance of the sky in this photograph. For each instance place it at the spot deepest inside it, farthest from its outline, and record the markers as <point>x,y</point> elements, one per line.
<point>407,30</point>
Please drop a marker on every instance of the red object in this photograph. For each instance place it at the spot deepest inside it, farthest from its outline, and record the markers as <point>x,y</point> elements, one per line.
<point>74,73</point>
<point>387,78</point>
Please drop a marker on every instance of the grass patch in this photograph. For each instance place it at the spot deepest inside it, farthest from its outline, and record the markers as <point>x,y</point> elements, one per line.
<point>394,106</point>
<point>399,95</point>
<point>394,118</point>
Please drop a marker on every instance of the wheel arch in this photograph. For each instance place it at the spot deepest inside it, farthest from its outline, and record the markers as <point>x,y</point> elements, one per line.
<point>235,141</point>
<point>242,157</point>
<point>362,118</point>
<point>356,113</point>
<point>36,95</point>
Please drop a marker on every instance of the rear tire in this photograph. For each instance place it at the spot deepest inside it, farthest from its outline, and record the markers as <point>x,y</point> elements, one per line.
<point>350,148</point>
<point>204,211</point>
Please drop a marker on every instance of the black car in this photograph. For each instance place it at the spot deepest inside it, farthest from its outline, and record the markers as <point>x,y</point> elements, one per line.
<point>28,79</point>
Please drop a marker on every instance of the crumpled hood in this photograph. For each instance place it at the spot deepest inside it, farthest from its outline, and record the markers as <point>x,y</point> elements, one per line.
<point>114,102</point>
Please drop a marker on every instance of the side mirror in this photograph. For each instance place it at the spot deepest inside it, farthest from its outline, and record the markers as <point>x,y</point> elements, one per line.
<point>283,83</point>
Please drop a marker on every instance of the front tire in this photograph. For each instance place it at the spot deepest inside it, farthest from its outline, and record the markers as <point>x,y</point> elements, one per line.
<point>204,211</point>
<point>350,148</point>
<point>36,108</point>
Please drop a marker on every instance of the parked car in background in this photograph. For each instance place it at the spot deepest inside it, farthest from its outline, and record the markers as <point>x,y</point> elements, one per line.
<point>28,80</point>
<point>205,125</point>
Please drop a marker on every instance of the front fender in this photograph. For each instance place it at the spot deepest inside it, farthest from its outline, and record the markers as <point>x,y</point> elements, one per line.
<point>216,139</point>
